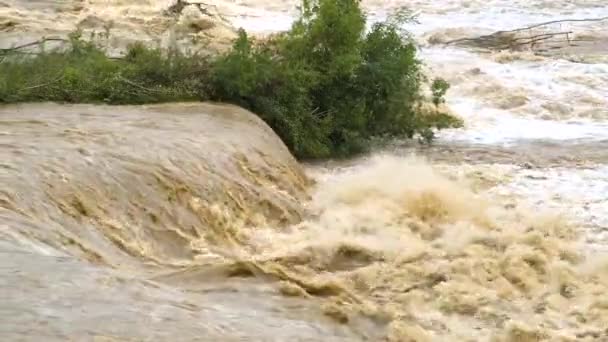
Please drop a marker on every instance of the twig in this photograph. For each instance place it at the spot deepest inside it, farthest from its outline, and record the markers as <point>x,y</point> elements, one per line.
<point>530,42</point>
<point>497,37</point>
<point>543,36</point>
<point>6,53</point>
<point>38,42</point>
<point>129,82</point>
<point>515,41</point>
<point>554,22</point>
<point>42,85</point>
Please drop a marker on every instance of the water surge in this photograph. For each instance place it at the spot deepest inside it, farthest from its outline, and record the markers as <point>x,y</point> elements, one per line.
<point>188,220</point>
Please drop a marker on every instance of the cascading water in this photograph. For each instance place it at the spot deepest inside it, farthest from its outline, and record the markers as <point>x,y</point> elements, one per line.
<point>186,222</point>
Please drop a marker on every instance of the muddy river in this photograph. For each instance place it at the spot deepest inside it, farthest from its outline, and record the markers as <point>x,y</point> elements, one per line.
<point>192,222</point>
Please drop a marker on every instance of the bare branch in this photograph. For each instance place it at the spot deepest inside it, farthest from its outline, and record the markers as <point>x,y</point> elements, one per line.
<point>131,83</point>
<point>506,32</point>
<point>500,39</point>
<point>554,22</point>
<point>517,39</point>
<point>42,85</point>
<point>38,42</point>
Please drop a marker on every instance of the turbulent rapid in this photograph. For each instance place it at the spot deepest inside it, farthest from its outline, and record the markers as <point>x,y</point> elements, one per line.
<point>114,24</point>
<point>193,222</point>
<point>98,201</point>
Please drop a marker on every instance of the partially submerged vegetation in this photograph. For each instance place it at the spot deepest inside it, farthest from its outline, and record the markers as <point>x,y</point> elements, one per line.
<point>326,86</point>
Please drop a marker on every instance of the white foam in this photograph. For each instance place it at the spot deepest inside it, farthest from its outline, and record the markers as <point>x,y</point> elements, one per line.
<point>541,82</point>
<point>580,195</point>
<point>494,126</point>
<point>262,21</point>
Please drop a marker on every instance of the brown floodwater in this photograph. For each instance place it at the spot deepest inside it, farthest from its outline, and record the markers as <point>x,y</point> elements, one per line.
<point>193,222</point>
<point>122,222</point>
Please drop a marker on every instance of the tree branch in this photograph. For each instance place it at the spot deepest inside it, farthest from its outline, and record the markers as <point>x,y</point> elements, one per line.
<point>139,86</point>
<point>42,85</point>
<point>553,22</point>
<point>38,42</point>
<point>498,38</point>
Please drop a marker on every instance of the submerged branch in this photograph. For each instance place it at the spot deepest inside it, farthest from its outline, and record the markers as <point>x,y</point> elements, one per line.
<point>555,22</point>
<point>510,39</point>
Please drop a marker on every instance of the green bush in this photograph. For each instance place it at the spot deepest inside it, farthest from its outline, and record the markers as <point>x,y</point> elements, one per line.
<point>84,73</point>
<point>326,86</point>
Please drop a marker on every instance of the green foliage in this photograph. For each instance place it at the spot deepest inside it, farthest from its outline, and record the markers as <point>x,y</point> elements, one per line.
<point>278,91</point>
<point>326,86</point>
<point>83,73</point>
<point>439,88</point>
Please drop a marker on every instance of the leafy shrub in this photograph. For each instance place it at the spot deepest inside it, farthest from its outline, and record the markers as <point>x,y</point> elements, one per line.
<point>83,73</point>
<point>326,86</point>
